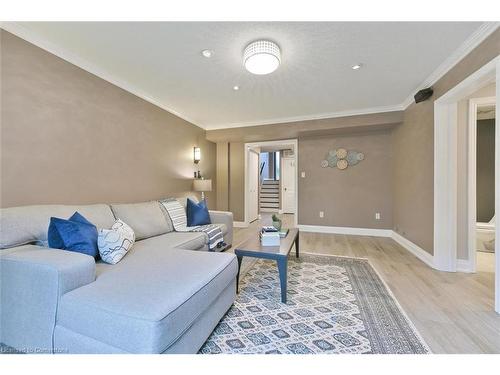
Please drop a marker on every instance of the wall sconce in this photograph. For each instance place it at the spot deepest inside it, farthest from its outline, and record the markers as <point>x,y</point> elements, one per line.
<point>197,155</point>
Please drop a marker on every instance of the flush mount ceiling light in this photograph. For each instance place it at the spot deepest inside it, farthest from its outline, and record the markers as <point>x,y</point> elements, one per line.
<point>262,57</point>
<point>236,88</point>
<point>356,66</point>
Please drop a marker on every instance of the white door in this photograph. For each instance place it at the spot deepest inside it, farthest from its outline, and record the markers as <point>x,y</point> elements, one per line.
<point>253,186</point>
<point>288,185</point>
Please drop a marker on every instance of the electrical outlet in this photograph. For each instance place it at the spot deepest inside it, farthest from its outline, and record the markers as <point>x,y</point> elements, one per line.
<point>303,174</point>
<point>377,216</point>
<point>321,214</point>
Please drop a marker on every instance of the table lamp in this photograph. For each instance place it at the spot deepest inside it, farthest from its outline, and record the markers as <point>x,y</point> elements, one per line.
<point>202,185</point>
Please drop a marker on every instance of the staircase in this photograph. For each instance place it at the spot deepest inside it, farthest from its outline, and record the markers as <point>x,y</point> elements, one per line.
<point>269,196</point>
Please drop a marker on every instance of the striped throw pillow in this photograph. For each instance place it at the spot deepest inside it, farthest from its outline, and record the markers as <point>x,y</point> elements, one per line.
<point>177,213</point>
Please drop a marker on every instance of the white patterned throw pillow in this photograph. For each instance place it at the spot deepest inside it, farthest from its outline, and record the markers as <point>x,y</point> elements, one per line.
<point>115,242</point>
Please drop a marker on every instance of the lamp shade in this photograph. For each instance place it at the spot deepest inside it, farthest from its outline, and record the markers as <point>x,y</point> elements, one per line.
<point>202,185</point>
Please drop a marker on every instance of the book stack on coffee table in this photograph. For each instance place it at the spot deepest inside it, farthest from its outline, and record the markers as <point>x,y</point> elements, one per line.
<point>270,236</point>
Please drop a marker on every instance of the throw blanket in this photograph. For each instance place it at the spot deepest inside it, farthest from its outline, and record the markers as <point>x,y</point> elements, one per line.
<point>178,216</point>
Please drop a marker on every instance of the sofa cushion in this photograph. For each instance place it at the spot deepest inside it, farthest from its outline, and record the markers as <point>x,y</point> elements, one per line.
<point>180,240</point>
<point>29,224</point>
<point>76,235</point>
<point>115,242</point>
<point>147,301</point>
<point>184,240</point>
<point>54,238</point>
<point>146,218</point>
<point>175,212</point>
<point>197,213</point>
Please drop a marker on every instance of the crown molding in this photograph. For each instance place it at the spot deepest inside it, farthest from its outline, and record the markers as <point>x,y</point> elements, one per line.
<point>31,37</point>
<point>485,30</point>
<point>322,116</point>
<point>465,48</point>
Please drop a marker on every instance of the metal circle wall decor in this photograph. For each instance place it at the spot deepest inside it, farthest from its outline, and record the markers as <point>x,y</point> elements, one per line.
<point>342,159</point>
<point>341,153</point>
<point>342,164</point>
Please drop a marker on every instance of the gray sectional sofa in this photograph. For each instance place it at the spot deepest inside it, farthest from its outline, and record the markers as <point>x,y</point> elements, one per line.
<point>164,296</point>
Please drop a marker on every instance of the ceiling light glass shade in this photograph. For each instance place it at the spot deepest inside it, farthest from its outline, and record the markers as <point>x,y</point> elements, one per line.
<point>262,57</point>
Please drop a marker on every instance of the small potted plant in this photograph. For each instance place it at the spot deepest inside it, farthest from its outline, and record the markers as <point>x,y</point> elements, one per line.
<point>276,222</point>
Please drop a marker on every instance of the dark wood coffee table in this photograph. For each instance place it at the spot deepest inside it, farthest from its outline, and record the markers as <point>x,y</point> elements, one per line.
<point>253,248</point>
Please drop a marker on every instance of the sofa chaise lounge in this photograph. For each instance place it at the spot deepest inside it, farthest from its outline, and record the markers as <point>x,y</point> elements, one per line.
<point>164,296</point>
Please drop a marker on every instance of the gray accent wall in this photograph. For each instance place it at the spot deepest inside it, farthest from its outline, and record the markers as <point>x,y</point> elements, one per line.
<point>350,197</point>
<point>358,132</point>
<point>70,137</point>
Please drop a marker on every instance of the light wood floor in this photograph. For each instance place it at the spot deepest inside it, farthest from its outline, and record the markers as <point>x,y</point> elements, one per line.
<point>452,311</point>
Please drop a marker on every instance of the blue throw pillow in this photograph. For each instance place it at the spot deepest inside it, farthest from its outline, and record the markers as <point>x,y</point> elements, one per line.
<point>76,234</point>
<point>197,213</point>
<point>54,238</point>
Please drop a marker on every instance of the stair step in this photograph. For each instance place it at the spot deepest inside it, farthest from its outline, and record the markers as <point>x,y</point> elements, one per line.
<point>263,209</point>
<point>269,196</point>
<point>269,189</point>
<point>269,201</point>
<point>270,182</point>
<point>270,206</point>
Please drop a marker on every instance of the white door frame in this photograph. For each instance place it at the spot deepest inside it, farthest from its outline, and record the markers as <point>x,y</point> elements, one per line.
<point>247,173</point>
<point>474,105</point>
<point>282,194</point>
<point>445,170</point>
<point>285,142</point>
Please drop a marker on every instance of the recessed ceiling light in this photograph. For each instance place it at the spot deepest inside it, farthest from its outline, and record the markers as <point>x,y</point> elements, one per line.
<point>356,66</point>
<point>207,53</point>
<point>262,57</point>
<point>236,88</point>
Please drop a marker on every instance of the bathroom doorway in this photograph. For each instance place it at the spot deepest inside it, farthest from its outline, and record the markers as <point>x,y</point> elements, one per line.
<point>482,114</point>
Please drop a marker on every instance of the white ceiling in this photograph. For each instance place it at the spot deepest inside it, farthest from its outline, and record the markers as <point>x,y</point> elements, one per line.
<point>162,63</point>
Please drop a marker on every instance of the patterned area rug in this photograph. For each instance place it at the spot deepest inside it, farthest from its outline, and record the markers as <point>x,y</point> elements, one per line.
<point>335,305</point>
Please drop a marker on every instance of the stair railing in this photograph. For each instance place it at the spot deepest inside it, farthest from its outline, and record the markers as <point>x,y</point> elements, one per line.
<point>261,179</point>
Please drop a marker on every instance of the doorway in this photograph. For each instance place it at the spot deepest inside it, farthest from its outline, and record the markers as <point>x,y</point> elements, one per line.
<point>481,184</point>
<point>276,176</point>
<point>446,225</point>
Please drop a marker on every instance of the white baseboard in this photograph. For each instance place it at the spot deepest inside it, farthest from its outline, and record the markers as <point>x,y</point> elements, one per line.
<point>240,224</point>
<point>416,250</point>
<point>464,265</point>
<point>346,230</point>
<point>424,256</point>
